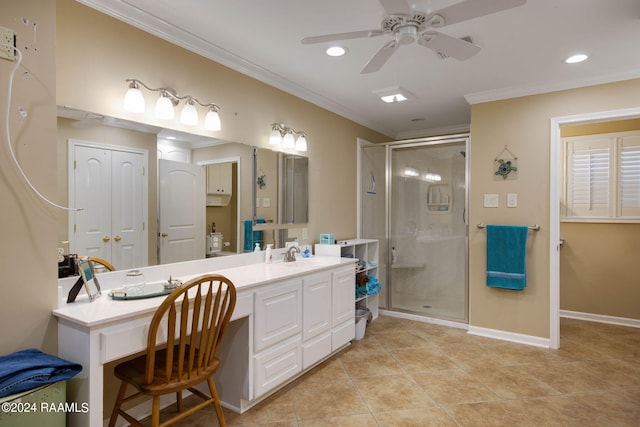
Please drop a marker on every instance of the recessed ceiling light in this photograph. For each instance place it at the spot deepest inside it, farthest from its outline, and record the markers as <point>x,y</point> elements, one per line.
<point>336,51</point>
<point>574,59</point>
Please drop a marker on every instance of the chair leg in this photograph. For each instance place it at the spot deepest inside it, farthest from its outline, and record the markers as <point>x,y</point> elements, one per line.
<point>155,411</point>
<point>117,404</point>
<point>179,400</point>
<point>216,402</point>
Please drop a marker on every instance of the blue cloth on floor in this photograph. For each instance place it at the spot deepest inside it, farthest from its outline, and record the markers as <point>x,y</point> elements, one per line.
<point>29,369</point>
<point>506,256</point>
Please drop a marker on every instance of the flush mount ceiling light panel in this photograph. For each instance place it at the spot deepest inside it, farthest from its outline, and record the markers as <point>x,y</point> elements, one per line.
<point>394,94</point>
<point>406,26</point>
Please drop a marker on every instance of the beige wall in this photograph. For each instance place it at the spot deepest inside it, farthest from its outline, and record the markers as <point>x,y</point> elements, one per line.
<point>524,125</point>
<point>598,262</point>
<point>28,226</point>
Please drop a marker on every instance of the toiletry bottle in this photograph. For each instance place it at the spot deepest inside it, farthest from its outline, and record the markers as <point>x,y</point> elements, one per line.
<point>268,256</point>
<point>257,248</point>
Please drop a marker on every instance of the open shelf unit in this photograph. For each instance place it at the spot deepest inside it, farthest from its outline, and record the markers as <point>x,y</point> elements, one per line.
<point>365,250</point>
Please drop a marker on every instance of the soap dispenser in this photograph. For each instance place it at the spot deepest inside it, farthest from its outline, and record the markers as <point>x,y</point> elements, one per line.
<point>268,256</point>
<point>257,248</point>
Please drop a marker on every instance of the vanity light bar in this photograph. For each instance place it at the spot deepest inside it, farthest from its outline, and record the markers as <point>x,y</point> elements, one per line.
<point>283,135</point>
<point>168,100</point>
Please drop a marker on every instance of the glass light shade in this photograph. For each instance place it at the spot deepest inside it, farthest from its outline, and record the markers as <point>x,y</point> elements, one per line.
<point>212,121</point>
<point>164,108</point>
<point>134,101</point>
<point>275,138</point>
<point>301,143</point>
<point>189,115</point>
<point>288,141</point>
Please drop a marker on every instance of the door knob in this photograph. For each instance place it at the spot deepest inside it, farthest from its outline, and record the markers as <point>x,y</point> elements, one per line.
<point>164,234</point>
<point>117,238</point>
<point>106,238</point>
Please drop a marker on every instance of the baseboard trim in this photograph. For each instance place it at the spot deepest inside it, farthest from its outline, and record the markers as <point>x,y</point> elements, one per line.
<point>510,336</point>
<point>424,319</point>
<point>601,318</point>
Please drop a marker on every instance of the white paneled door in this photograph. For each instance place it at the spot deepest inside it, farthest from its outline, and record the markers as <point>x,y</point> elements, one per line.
<point>181,212</point>
<point>110,184</point>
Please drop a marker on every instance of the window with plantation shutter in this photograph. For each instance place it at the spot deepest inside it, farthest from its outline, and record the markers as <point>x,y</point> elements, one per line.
<point>602,178</point>
<point>629,199</point>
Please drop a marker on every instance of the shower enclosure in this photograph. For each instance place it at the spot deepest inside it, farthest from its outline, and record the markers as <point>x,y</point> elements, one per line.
<point>414,201</point>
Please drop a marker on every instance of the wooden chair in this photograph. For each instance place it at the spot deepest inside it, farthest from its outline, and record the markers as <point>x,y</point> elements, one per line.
<point>196,315</point>
<point>100,265</point>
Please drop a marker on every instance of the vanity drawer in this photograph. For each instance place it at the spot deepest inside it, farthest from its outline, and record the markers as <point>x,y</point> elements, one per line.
<point>244,305</point>
<point>315,350</point>
<point>342,334</point>
<point>276,365</point>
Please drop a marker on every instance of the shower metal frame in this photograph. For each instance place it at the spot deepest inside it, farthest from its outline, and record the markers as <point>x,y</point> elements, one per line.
<point>418,142</point>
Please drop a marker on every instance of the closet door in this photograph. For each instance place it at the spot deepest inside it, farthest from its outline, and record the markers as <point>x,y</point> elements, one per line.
<point>90,232</point>
<point>110,185</point>
<point>127,206</point>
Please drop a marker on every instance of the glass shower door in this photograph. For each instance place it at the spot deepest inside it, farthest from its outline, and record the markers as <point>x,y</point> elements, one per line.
<point>427,230</point>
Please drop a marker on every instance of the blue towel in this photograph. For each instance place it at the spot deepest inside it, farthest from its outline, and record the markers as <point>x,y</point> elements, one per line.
<point>29,369</point>
<point>506,256</point>
<point>252,237</point>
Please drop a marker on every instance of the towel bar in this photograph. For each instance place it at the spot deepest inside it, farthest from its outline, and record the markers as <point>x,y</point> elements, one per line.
<point>534,227</point>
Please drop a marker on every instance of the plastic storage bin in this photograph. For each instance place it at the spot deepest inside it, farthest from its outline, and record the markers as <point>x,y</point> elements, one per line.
<point>41,407</point>
<point>362,316</point>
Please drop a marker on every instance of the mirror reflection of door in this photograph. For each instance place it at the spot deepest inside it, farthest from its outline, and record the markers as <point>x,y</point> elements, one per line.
<point>294,184</point>
<point>181,210</point>
<point>110,184</point>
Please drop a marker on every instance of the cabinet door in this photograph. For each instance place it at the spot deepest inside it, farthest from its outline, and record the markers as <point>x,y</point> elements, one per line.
<point>278,313</point>
<point>219,178</point>
<point>316,305</point>
<point>343,296</point>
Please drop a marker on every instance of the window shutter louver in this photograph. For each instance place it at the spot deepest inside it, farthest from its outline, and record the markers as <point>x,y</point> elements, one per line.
<point>629,199</point>
<point>588,179</point>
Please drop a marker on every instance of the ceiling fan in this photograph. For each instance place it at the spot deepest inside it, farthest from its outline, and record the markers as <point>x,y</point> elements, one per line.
<point>408,25</point>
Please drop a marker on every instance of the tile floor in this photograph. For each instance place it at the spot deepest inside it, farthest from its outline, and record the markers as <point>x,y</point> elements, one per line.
<point>407,373</point>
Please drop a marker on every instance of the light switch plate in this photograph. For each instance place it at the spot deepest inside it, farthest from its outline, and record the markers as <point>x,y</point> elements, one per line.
<point>491,201</point>
<point>266,202</point>
<point>512,200</point>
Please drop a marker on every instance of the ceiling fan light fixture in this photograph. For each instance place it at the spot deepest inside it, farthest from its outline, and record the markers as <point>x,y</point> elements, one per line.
<point>336,51</point>
<point>407,34</point>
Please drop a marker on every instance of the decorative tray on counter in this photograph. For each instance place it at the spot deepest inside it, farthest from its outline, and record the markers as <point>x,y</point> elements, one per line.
<point>144,290</point>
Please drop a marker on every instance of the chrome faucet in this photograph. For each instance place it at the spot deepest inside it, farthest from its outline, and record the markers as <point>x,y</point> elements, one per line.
<point>289,256</point>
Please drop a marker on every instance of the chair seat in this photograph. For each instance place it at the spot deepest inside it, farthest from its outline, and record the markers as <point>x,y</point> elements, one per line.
<point>133,372</point>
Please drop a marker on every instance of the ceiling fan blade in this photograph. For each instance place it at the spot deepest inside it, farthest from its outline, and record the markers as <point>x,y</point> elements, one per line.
<point>380,58</point>
<point>396,7</point>
<point>447,45</point>
<point>342,36</point>
<point>469,9</point>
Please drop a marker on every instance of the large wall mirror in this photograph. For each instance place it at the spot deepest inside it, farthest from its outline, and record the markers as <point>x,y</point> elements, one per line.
<point>260,185</point>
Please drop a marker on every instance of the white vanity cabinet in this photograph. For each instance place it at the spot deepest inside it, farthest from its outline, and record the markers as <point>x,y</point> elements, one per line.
<point>342,312</point>
<point>316,318</point>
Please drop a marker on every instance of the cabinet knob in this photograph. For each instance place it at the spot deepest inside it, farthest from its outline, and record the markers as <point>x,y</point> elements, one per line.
<point>117,238</point>
<point>106,238</point>
<point>164,234</point>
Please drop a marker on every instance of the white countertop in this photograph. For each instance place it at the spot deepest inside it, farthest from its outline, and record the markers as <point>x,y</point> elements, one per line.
<point>105,310</point>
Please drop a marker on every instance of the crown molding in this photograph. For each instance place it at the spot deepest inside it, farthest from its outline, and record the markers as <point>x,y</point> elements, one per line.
<point>537,89</point>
